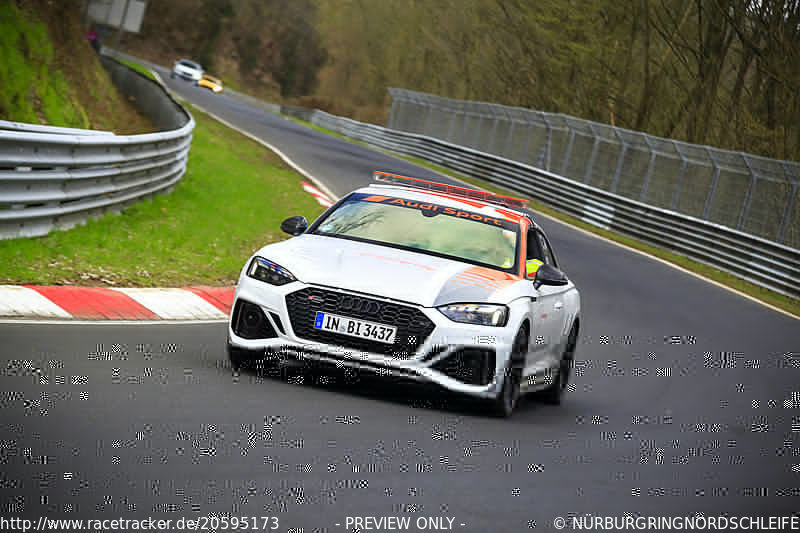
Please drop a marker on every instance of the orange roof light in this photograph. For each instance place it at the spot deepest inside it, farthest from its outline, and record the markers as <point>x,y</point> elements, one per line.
<point>508,201</point>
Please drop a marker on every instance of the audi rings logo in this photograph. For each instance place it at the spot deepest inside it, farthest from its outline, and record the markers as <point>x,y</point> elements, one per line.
<point>359,305</point>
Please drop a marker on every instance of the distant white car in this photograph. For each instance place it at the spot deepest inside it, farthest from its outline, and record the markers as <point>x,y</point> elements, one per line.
<point>420,280</point>
<point>187,69</point>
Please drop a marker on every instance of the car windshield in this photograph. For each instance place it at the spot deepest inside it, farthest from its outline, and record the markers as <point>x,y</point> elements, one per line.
<point>211,78</point>
<point>190,64</point>
<point>425,227</point>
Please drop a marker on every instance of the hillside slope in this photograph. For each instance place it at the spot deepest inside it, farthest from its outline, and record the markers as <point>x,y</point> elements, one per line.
<point>50,74</point>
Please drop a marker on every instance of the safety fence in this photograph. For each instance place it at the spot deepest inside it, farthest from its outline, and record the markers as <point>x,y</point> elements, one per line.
<point>53,177</point>
<point>753,194</point>
<point>761,261</point>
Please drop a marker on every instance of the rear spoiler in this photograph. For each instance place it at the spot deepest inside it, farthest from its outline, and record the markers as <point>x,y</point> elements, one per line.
<point>475,194</point>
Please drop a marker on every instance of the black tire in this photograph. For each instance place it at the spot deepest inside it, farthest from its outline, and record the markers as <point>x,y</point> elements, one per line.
<point>243,359</point>
<point>555,392</point>
<point>238,358</point>
<point>503,406</point>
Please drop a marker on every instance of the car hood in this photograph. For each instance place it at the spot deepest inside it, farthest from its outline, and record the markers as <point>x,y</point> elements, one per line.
<point>389,272</point>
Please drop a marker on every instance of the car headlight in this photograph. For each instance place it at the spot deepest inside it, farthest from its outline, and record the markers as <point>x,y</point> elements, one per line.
<point>269,272</point>
<point>482,314</point>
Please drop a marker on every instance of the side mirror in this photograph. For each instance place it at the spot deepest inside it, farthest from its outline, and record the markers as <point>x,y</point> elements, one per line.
<point>294,225</point>
<point>549,275</point>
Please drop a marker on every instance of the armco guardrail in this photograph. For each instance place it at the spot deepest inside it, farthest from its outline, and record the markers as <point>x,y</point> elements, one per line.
<point>764,262</point>
<point>57,177</point>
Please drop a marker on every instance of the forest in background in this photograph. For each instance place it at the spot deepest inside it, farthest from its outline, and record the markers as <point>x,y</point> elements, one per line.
<point>720,72</point>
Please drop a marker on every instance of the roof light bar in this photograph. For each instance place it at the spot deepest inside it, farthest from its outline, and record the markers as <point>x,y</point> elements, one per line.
<point>508,201</point>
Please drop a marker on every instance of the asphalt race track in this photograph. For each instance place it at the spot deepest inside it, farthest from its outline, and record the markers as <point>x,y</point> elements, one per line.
<point>685,400</point>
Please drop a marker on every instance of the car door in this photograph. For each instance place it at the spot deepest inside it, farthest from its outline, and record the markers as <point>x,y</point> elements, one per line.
<point>549,313</point>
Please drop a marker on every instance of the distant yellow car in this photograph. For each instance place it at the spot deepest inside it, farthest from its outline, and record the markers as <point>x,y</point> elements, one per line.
<point>210,82</point>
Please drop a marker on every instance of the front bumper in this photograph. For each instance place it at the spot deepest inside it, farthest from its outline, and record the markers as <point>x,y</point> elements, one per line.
<point>190,76</point>
<point>463,358</point>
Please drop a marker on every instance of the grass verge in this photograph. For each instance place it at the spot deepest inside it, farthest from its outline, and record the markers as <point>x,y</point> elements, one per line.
<point>137,67</point>
<point>50,74</point>
<point>767,296</point>
<point>229,203</point>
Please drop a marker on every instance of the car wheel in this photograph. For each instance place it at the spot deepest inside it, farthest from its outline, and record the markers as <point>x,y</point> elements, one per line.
<point>555,392</point>
<point>507,399</point>
<point>238,358</point>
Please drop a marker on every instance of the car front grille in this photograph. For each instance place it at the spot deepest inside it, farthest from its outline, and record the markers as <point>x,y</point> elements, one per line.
<point>413,327</point>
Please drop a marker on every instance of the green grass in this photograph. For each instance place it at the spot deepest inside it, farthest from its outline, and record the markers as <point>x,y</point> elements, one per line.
<point>229,203</point>
<point>780,301</point>
<point>137,67</point>
<point>33,90</point>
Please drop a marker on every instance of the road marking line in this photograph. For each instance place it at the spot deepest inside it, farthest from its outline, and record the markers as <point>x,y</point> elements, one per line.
<point>670,264</point>
<point>283,156</point>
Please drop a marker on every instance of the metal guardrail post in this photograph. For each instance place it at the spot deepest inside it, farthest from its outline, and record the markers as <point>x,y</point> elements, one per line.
<point>492,134</point>
<point>590,164</point>
<point>787,212</point>
<point>527,145</point>
<point>650,166</point>
<point>620,160</point>
<point>392,110</point>
<point>749,195</point>
<point>548,145</point>
<point>509,137</point>
<point>428,113</point>
<point>714,181</point>
<point>450,126</point>
<point>568,151</point>
<point>477,136</point>
<point>676,195</point>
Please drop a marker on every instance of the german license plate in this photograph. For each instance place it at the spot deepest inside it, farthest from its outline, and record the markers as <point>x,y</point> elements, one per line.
<point>355,328</point>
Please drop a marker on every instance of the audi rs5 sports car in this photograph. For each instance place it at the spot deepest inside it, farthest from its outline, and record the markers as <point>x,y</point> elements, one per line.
<point>416,279</point>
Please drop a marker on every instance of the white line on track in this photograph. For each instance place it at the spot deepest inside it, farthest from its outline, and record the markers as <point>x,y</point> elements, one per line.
<point>673,265</point>
<point>283,156</point>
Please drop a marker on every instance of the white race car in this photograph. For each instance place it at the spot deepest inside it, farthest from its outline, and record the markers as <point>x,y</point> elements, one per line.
<point>187,69</point>
<point>416,279</point>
